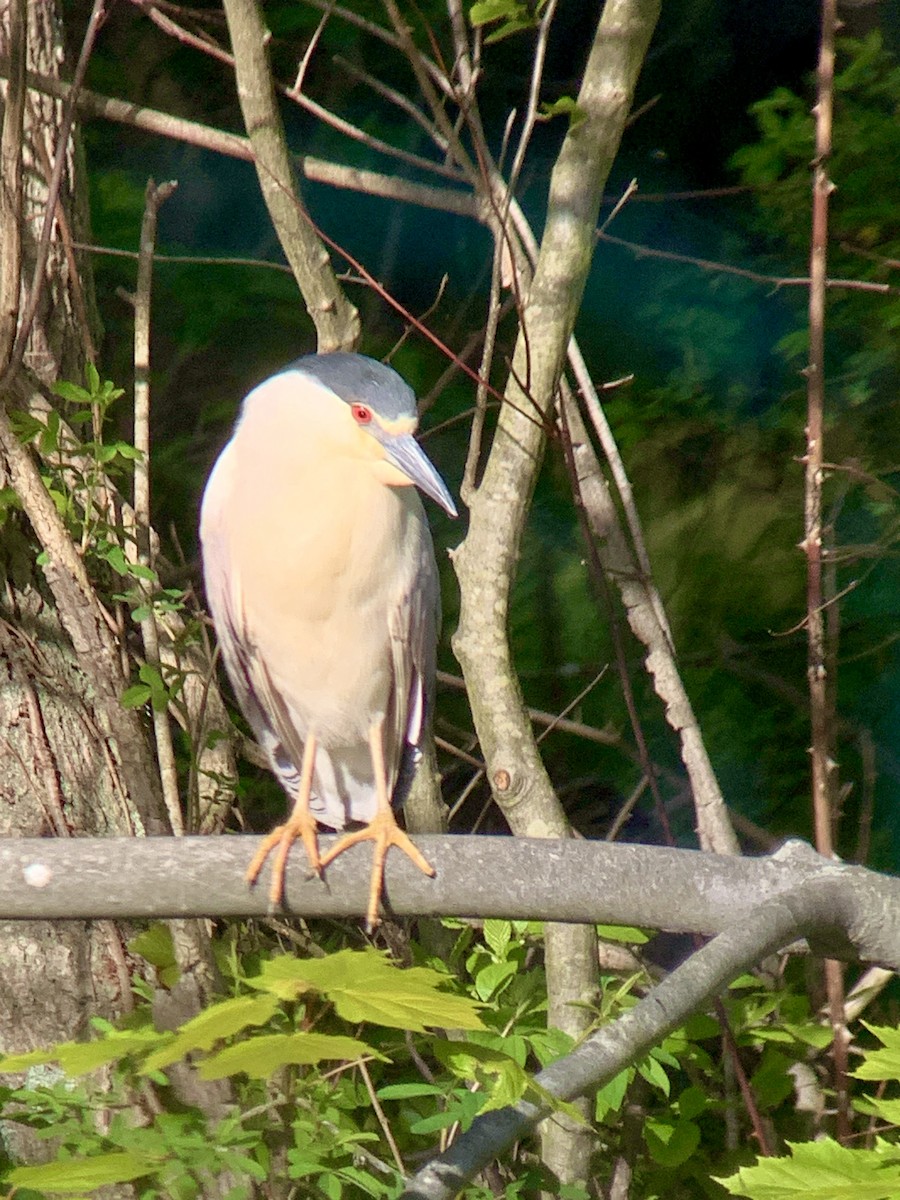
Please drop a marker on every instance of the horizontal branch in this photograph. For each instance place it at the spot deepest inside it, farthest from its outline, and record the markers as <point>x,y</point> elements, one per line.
<point>773,281</point>
<point>232,145</point>
<point>516,878</point>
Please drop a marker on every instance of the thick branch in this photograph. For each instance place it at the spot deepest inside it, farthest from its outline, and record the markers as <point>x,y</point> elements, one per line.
<point>485,563</point>
<point>335,318</point>
<point>517,878</point>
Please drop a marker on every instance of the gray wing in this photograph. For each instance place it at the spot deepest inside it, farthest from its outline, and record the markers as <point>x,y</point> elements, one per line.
<point>258,698</point>
<point>414,625</point>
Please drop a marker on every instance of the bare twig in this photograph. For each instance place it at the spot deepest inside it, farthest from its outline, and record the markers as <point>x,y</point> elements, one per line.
<point>318,170</point>
<point>295,94</point>
<point>534,93</point>
<point>821,693</point>
<point>141,546</point>
<point>773,281</point>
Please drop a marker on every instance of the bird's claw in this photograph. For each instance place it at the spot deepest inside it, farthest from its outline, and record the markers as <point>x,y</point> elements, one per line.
<point>384,831</point>
<point>300,827</point>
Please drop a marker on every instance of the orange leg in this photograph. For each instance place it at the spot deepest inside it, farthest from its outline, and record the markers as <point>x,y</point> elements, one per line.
<point>383,830</point>
<point>300,824</point>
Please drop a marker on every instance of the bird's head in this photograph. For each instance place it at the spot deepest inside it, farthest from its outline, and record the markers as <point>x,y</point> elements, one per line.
<point>383,407</point>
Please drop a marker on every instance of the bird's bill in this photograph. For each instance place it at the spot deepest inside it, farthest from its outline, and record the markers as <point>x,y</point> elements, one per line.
<point>405,453</point>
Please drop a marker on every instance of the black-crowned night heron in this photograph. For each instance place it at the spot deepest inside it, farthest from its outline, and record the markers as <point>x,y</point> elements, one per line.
<point>321,578</point>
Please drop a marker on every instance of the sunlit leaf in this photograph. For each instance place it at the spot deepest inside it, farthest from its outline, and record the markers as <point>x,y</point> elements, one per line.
<point>822,1170</point>
<point>83,1174</point>
<point>258,1057</point>
<point>214,1023</point>
<point>363,985</point>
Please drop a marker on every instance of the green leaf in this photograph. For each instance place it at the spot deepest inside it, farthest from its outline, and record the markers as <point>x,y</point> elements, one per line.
<point>490,980</point>
<point>11,1063</point>
<point>408,1091</point>
<point>655,1075</point>
<point>115,556</point>
<point>135,696</point>
<point>258,1057</point>
<point>159,693</point>
<point>671,1143</point>
<point>155,945</point>
<point>513,15</point>
<point>692,1101</point>
<point>214,1023</point>
<point>77,1058</point>
<point>505,1080</point>
<point>485,11</point>
<point>84,1174</point>
<point>92,377</point>
<point>630,934</point>
<point>884,1063</point>
<point>564,106</point>
<point>610,1097</point>
<point>887,1110</point>
<point>497,934</point>
<point>363,985</point>
<point>822,1170</point>
<point>70,392</point>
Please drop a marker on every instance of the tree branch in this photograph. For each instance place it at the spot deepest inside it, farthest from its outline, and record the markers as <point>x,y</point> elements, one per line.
<point>550,879</point>
<point>816,907</point>
<point>335,318</point>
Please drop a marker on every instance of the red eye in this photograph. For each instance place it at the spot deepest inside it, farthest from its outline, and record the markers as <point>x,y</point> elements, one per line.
<point>362,415</point>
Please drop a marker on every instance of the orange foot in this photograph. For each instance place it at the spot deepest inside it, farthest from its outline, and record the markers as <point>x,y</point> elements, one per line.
<point>300,826</point>
<point>384,831</point>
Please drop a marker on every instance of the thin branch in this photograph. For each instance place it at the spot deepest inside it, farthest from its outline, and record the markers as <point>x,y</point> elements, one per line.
<point>303,67</point>
<point>399,100</point>
<point>141,545</point>
<point>642,608</point>
<point>381,1117</point>
<point>602,587</point>
<point>534,93</point>
<point>825,783</point>
<point>425,80</point>
<point>317,170</point>
<point>173,29</point>
<point>773,281</point>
